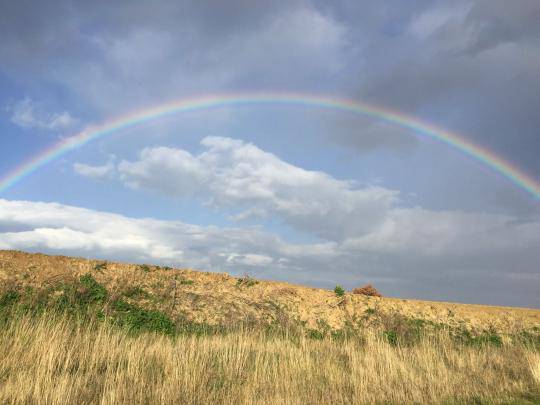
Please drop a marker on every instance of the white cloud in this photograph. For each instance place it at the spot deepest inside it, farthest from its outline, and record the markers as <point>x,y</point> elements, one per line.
<point>358,223</point>
<point>238,176</point>
<point>95,172</point>
<point>232,174</point>
<point>422,232</point>
<point>416,232</point>
<point>250,259</point>
<point>60,228</point>
<point>27,114</point>
<point>172,171</point>
<point>410,246</point>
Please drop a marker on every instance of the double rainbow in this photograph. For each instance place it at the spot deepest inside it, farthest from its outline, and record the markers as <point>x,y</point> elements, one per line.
<point>420,128</point>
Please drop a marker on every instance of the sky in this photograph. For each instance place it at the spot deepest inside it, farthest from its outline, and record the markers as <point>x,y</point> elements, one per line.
<point>282,192</point>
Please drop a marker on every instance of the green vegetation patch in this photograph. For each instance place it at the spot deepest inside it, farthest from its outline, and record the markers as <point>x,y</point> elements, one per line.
<point>391,336</point>
<point>185,281</point>
<point>339,291</point>
<point>136,292</point>
<point>86,298</point>
<point>145,268</point>
<point>91,291</point>
<point>100,266</point>
<point>9,298</point>
<point>246,281</point>
<point>489,337</point>
<point>137,319</point>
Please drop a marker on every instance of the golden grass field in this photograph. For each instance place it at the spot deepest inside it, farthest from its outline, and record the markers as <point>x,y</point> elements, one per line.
<point>50,361</point>
<point>246,342</point>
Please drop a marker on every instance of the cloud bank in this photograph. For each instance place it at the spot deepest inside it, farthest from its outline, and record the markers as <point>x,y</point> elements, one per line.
<point>360,230</point>
<point>451,253</point>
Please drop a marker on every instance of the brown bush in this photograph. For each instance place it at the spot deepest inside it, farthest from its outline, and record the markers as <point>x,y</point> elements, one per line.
<point>367,290</point>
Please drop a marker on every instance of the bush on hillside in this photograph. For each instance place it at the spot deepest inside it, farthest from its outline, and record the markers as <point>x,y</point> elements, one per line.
<point>367,290</point>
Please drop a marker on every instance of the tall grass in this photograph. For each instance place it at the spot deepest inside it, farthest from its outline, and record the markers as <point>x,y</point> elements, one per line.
<point>55,360</point>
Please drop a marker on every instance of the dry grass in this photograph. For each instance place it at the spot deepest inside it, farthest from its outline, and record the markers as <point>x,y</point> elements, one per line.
<point>51,360</point>
<point>245,341</point>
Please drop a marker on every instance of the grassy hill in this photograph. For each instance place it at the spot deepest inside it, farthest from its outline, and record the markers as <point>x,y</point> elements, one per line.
<point>84,331</point>
<point>217,299</point>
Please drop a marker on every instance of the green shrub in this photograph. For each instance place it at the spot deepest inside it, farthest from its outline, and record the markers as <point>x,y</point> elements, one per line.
<point>340,292</point>
<point>246,281</point>
<point>315,334</point>
<point>136,292</point>
<point>186,327</point>
<point>144,267</point>
<point>489,337</point>
<point>492,339</point>
<point>100,266</point>
<point>91,291</point>
<point>391,337</point>
<point>137,319</point>
<point>9,298</point>
<point>75,298</point>
<point>64,302</point>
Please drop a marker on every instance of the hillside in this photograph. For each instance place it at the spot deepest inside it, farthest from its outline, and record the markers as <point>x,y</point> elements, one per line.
<point>219,299</point>
<point>77,331</point>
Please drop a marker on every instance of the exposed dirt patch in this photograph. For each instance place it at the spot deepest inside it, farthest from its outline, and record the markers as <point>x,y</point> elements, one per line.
<point>220,299</point>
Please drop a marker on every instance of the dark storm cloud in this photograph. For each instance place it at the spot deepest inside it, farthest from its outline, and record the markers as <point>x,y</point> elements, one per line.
<point>473,66</point>
<point>114,55</point>
<point>500,21</point>
<point>470,66</point>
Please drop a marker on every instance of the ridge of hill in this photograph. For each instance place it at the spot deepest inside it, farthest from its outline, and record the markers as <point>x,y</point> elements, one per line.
<point>218,299</point>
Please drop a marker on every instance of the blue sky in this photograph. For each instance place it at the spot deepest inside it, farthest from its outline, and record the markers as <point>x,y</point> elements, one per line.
<point>302,195</point>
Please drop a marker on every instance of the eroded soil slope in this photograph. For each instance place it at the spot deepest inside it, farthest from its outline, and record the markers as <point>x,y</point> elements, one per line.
<point>220,299</point>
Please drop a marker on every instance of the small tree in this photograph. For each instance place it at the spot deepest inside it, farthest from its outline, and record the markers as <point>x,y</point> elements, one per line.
<point>340,292</point>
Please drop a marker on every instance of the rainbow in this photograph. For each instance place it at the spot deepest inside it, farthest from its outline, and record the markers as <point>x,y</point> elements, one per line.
<point>420,128</point>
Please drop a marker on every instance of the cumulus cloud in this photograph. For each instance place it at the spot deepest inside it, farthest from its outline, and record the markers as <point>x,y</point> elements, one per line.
<point>235,176</point>
<point>172,171</point>
<point>59,228</point>
<point>27,114</point>
<point>232,173</point>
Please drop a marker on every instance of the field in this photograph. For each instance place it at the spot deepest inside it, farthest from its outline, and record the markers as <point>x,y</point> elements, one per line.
<point>84,331</point>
